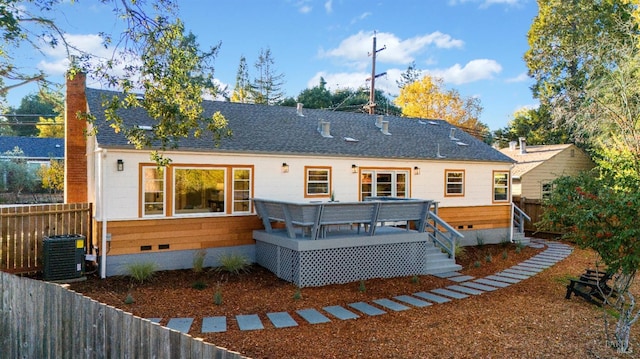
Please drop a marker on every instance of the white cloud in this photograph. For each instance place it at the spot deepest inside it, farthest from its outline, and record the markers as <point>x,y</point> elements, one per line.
<point>328,6</point>
<point>355,48</point>
<point>475,70</point>
<point>305,9</point>
<point>362,16</point>
<point>522,77</point>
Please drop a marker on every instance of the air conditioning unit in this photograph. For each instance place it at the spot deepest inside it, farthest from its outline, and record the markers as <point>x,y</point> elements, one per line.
<point>63,257</point>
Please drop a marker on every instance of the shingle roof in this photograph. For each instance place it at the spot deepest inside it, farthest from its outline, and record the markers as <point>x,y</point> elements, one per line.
<point>34,147</point>
<point>280,130</point>
<point>533,157</point>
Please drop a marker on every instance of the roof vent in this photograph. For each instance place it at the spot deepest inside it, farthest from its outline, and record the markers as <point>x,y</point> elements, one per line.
<point>379,121</point>
<point>324,127</point>
<point>299,109</point>
<point>145,127</point>
<point>350,139</point>
<point>523,145</point>
<point>452,133</point>
<point>385,128</point>
<point>512,145</point>
<point>438,155</point>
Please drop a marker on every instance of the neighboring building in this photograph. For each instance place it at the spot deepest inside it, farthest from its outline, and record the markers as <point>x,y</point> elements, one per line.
<point>537,166</point>
<point>37,151</point>
<point>202,200</point>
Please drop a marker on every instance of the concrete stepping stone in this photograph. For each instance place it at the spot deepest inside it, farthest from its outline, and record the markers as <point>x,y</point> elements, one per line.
<point>466,290</point>
<point>462,278</point>
<point>341,312</point>
<point>180,324</point>
<point>525,268</point>
<point>313,316</point>
<point>447,274</point>
<point>536,264</point>
<point>389,304</point>
<point>214,324</point>
<point>482,287</point>
<point>281,320</point>
<point>432,297</point>
<point>367,308</point>
<point>519,272</point>
<point>543,260</point>
<point>413,301</point>
<point>154,320</point>
<point>547,258</point>
<point>449,293</point>
<point>493,283</point>
<point>249,322</point>
<point>503,279</point>
<point>513,275</point>
<point>536,245</point>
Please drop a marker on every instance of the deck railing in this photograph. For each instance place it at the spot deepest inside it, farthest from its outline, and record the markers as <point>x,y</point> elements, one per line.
<point>519,218</point>
<point>302,219</point>
<point>442,234</point>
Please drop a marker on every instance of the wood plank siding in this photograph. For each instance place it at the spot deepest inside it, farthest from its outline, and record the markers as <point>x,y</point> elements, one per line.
<point>476,217</point>
<point>138,236</point>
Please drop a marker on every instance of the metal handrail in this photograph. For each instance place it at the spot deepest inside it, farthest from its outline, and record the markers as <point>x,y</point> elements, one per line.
<point>446,237</point>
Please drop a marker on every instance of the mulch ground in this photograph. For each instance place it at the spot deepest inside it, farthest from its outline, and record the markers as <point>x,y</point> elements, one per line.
<point>530,319</point>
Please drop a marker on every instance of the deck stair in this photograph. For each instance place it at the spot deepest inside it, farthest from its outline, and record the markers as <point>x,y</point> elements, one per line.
<point>438,261</point>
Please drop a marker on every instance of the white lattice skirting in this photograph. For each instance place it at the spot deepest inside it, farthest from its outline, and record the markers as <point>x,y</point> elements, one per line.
<point>335,260</point>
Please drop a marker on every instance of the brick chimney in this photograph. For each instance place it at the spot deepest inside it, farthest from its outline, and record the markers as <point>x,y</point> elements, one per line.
<point>75,141</point>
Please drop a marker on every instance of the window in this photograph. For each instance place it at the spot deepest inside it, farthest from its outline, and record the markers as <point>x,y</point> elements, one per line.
<point>454,183</point>
<point>152,191</point>
<point>241,190</point>
<point>547,188</point>
<point>384,183</point>
<point>198,190</point>
<point>318,182</point>
<point>500,186</point>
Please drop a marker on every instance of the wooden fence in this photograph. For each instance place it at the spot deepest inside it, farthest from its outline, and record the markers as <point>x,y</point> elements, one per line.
<point>23,229</point>
<point>44,320</point>
<point>533,208</point>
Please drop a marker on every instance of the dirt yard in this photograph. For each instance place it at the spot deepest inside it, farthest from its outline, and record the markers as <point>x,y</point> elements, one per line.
<point>530,319</point>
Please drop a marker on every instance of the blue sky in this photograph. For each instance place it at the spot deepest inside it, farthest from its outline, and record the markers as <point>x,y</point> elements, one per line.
<point>476,46</point>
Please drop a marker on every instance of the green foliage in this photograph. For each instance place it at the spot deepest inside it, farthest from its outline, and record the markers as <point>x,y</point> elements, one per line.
<point>198,260</point>
<point>233,263</point>
<point>533,124</point>
<point>362,287</point>
<point>480,241</point>
<point>505,254</point>
<point>488,258</point>
<point>129,299</point>
<point>199,285</point>
<point>477,264</point>
<point>518,249</point>
<point>415,279</point>
<point>297,295</point>
<point>19,175</point>
<point>217,297</point>
<point>141,271</point>
<point>459,250</point>
<point>266,87</point>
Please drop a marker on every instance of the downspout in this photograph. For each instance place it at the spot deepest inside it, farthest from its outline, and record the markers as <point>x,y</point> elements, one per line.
<point>103,216</point>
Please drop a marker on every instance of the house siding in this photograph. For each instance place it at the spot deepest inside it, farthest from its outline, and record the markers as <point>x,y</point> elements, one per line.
<point>559,165</point>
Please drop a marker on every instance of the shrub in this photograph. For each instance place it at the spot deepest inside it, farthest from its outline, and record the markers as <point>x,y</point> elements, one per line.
<point>459,250</point>
<point>362,287</point>
<point>297,295</point>
<point>198,260</point>
<point>488,258</point>
<point>217,297</point>
<point>477,264</point>
<point>129,299</point>
<point>233,263</point>
<point>141,271</point>
<point>199,285</point>
<point>505,255</point>
<point>480,240</point>
<point>415,279</point>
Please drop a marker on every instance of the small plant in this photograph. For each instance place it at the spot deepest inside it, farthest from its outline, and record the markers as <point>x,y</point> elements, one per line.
<point>297,295</point>
<point>477,264</point>
<point>217,297</point>
<point>362,287</point>
<point>415,279</point>
<point>141,271</point>
<point>459,251</point>
<point>233,263</point>
<point>520,246</point>
<point>198,260</point>
<point>488,258</point>
<point>129,299</point>
<point>333,196</point>
<point>480,240</point>
<point>518,249</point>
<point>199,285</point>
<point>504,241</point>
<point>505,254</point>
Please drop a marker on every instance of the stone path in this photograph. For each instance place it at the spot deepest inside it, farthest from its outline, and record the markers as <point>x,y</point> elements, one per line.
<point>464,287</point>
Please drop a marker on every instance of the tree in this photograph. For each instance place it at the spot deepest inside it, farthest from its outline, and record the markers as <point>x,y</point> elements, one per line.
<point>52,127</point>
<point>24,118</point>
<point>157,56</point>
<point>267,85</point>
<point>535,125</point>
<point>428,98</point>
<point>242,89</point>
<point>316,97</point>
<point>52,176</point>
<point>17,174</point>
<point>410,76</point>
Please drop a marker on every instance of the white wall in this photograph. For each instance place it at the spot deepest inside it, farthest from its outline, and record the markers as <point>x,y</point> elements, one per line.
<point>122,188</point>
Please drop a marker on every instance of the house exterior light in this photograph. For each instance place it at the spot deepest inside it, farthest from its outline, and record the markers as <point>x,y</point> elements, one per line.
<point>416,170</point>
<point>354,169</point>
<point>120,165</point>
<point>285,167</point>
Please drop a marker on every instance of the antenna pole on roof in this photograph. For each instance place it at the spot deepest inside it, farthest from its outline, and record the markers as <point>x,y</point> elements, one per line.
<point>372,94</point>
